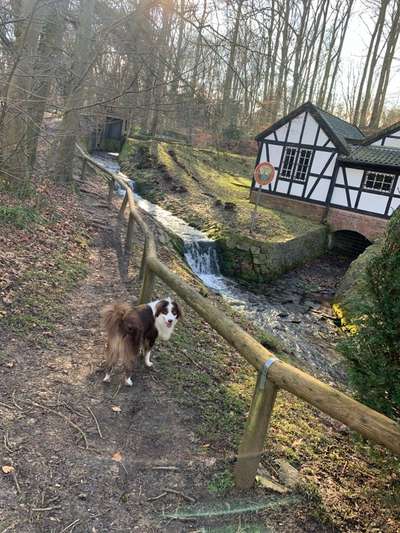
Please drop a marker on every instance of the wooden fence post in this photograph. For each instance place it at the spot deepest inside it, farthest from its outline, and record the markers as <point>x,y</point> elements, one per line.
<point>252,444</point>
<point>148,278</point>
<point>123,207</point>
<point>129,236</point>
<point>110,191</point>
<point>84,163</point>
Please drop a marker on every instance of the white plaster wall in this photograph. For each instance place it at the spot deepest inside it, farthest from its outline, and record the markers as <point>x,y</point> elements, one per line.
<point>322,138</point>
<point>281,132</point>
<point>321,190</point>
<point>310,130</point>
<point>275,154</point>
<point>339,177</point>
<point>392,143</point>
<point>320,160</point>
<point>339,197</point>
<point>395,203</point>
<point>354,176</point>
<point>296,125</point>
<point>374,203</point>
<point>297,189</point>
<point>282,187</point>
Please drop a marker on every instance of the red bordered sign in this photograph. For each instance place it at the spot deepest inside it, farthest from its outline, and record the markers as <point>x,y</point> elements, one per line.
<point>264,173</point>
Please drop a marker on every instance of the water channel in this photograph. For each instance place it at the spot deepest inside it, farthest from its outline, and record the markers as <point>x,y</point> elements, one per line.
<point>294,308</point>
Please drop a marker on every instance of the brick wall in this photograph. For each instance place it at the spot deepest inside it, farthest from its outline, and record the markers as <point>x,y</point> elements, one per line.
<point>338,219</point>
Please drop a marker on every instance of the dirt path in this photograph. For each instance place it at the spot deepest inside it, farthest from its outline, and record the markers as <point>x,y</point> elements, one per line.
<point>88,457</point>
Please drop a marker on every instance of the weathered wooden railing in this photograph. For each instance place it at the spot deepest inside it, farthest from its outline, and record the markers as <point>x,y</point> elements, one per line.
<point>273,373</point>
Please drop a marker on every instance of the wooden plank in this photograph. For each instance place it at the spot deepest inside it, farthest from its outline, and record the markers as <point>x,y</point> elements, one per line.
<point>252,444</point>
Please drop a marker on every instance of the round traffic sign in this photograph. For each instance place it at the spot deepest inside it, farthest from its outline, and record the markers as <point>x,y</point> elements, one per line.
<point>264,173</point>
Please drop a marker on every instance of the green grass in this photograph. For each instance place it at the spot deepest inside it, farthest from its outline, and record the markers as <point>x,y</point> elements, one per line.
<point>37,305</point>
<point>19,217</point>
<point>210,178</point>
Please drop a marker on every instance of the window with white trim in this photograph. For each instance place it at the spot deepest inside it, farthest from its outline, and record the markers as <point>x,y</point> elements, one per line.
<point>289,159</point>
<point>303,164</point>
<point>378,181</point>
<point>297,170</point>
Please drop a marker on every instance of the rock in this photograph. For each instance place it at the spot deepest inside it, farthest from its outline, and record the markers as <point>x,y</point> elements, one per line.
<point>283,314</point>
<point>288,474</point>
<point>218,202</point>
<point>265,481</point>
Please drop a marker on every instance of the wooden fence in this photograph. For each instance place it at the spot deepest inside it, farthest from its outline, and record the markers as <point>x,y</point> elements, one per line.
<point>273,374</point>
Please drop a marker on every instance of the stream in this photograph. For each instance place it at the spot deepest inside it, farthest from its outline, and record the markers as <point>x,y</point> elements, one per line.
<point>295,308</point>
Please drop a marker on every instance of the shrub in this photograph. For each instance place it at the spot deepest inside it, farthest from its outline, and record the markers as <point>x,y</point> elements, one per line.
<point>373,351</point>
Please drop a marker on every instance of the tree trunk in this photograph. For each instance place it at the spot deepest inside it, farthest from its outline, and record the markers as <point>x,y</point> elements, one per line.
<point>69,129</point>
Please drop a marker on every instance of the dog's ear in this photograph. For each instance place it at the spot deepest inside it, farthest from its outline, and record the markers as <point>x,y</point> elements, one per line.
<point>177,309</point>
<point>161,307</point>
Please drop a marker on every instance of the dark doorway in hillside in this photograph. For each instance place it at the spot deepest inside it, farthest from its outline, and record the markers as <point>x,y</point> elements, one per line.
<point>348,243</point>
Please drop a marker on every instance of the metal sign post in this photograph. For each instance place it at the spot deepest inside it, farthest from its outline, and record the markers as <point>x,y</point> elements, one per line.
<point>264,174</point>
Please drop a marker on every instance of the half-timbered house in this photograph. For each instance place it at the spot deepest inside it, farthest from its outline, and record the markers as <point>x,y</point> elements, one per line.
<point>326,169</point>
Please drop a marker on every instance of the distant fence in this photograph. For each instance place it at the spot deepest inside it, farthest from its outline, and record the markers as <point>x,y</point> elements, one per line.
<point>273,373</point>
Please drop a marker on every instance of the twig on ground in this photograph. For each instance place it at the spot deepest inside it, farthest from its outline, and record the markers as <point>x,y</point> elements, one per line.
<point>17,486</point>
<point>45,509</point>
<point>41,406</point>
<point>165,468</point>
<point>15,403</point>
<point>72,524</point>
<point>7,443</point>
<point>7,406</point>
<point>178,493</point>
<point>96,422</point>
<point>157,497</point>
<point>116,391</point>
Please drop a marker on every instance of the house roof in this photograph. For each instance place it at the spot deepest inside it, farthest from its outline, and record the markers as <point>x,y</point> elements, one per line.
<point>382,133</point>
<point>373,155</point>
<point>339,131</point>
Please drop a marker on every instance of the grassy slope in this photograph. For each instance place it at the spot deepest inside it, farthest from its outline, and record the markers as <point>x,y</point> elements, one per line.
<point>43,254</point>
<point>346,483</point>
<point>208,176</point>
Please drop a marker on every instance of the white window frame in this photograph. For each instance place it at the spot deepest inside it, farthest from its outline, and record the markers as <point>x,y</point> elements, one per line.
<point>302,171</point>
<point>287,169</point>
<point>294,168</point>
<point>377,181</point>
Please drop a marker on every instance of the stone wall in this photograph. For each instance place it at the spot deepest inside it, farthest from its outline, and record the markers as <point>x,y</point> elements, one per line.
<point>258,261</point>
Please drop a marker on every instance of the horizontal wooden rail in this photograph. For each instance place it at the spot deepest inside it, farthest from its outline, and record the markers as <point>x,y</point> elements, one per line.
<point>366,421</point>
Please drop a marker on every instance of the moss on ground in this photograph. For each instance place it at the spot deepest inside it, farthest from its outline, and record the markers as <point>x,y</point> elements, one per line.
<point>201,185</point>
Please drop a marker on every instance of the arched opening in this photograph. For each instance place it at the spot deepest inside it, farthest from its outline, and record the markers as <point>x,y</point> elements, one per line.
<point>349,243</point>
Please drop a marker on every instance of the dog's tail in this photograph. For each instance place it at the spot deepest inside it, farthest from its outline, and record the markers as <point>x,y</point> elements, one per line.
<point>112,316</point>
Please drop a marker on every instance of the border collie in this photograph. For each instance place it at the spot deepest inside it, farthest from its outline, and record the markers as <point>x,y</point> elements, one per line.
<point>132,330</point>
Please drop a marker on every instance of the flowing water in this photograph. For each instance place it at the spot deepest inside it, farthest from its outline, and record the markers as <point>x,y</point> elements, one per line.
<point>294,308</point>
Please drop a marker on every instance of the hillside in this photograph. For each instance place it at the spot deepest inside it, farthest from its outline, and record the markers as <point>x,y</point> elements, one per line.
<point>215,185</point>
<point>91,454</point>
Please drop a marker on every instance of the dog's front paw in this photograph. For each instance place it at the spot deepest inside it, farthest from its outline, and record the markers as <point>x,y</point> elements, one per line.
<point>107,378</point>
<point>149,364</point>
<point>129,382</point>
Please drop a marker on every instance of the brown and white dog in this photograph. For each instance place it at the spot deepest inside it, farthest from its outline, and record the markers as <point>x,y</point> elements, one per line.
<point>134,330</point>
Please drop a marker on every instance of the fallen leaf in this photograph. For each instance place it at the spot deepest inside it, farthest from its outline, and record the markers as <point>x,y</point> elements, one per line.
<point>116,408</point>
<point>8,469</point>
<point>117,456</point>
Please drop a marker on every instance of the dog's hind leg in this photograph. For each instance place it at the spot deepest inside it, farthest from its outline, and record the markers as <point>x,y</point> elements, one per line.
<point>110,360</point>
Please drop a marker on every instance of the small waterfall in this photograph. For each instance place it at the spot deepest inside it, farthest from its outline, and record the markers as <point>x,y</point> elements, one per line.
<point>202,257</point>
